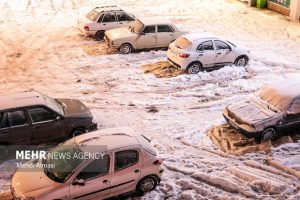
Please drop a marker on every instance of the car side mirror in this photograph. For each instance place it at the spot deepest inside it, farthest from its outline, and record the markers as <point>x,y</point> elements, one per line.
<point>58,118</point>
<point>79,182</point>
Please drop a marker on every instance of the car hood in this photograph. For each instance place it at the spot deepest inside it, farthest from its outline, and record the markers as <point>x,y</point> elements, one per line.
<point>75,108</point>
<point>251,111</point>
<point>119,33</point>
<point>32,182</point>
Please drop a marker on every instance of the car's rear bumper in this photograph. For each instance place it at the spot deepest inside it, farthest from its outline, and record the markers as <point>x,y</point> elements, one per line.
<point>93,127</point>
<point>174,63</point>
<point>245,130</point>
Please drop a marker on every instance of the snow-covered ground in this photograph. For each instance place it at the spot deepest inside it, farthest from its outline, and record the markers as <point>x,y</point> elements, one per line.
<point>42,49</point>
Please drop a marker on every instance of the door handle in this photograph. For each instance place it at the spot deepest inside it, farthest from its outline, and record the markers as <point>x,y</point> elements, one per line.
<point>105,181</point>
<point>200,54</point>
<point>136,171</point>
<point>219,53</point>
<point>120,23</point>
<point>104,24</point>
<point>37,126</point>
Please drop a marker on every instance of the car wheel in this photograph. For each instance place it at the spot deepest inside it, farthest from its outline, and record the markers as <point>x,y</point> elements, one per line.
<point>147,184</point>
<point>268,134</point>
<point>77,132</point>
<point>194,68</point>
<point>241,61</point>
<point>125,49</point>
<point>100,35</point>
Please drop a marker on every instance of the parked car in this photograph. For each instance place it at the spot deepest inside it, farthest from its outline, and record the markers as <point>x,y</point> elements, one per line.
<point>195,52</point>
<point>143,33</point>
<point>129,163</point>
<point>104,18</point>
<point>271,112</point>
<point>32,118</point>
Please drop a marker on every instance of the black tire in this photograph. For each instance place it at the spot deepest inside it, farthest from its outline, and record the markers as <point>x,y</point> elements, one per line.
<point>99,35</point>
<point>241,61</point>
<point>194,68</point>
<point>77,131</point>
<point>146,184</point>
<point>268,134</point>
<point>125,48</point>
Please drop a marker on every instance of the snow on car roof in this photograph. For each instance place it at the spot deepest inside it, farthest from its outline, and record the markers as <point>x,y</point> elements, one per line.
<point>281,94</point>
<point>199,36</point>
<point>22,99</point>
<point>107,8</point>
<point>111,138</point>
<point>155,20</point>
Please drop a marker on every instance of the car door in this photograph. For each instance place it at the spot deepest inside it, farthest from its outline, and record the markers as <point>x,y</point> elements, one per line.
<point>109,21</point>
<point>127,170</point>
<point>93,181</point>
<point>15,128</point>
<point>224,53</point>
<point>123,19</point>
<point>46,124</point>
<point>291,120</point>
<point>206,53</point>
<point>98,23</point>
<point>165,35</point>
<point>147,38</point>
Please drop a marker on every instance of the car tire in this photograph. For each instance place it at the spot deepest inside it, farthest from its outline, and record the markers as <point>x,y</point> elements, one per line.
<point>77,131</point>
<point>194,68</point>
<point>99,35</point>
<point>268,134</point>
<point>146,184</point>
<point>241,61</point>
<point>125,48</point>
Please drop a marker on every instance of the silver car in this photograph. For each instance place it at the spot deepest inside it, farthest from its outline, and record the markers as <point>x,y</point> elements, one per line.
<point>194,52</point>
<point>95,165</point>
<point>271,112</point>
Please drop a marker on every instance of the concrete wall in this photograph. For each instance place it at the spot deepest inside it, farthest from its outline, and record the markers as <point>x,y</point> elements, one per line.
<point>295,10</point>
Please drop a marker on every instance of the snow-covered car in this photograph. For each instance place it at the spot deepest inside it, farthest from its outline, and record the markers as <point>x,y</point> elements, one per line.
<point>33,118</point>
<point>143,33</point>
<point>96,165</point>
<point>104,18</point>
<point>271,112</point>
<point>195,52</point>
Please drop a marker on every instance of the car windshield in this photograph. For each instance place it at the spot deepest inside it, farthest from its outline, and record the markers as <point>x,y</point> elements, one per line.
<point>53,104</point>
<point>183,43</point>
<point>136,26</point>
<point>63,161</point>
<point>92,15</point>
<point>274,98</point>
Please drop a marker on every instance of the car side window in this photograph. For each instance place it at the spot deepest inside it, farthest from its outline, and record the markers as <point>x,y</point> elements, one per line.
<point>125,159</point>
<point>164,29</point>
<point>96,168</point>
<point>100,18</point>
<point>109,17</point>
<point>124,17</point>
<point>41,115</point>
<point>17,118</point>
<point>149,29</point>
<point>206,46</point>
<point>4,123</point>
<point>221,45</point>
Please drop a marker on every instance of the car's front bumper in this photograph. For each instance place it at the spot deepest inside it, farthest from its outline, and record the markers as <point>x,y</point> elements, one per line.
<point>244,129</point>
<point>110,43</point>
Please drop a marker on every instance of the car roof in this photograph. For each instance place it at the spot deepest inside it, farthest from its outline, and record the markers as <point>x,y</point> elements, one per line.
<point>108,8</point>
<point>281,94</point>
<point>110,138</point>
<point>22,99</point>
<point>196,36</point>
<point>154,20</point>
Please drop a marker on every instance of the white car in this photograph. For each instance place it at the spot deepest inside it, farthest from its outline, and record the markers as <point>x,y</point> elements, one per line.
<point>128,163</point>
<point>195,52</point>
<point>100,19</point>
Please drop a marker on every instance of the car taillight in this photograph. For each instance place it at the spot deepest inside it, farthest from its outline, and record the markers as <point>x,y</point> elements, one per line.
<point>157,162</point>
<point>86,28</point>
<point>184,55</point>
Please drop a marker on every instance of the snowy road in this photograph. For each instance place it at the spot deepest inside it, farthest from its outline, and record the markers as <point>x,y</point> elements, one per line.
<point>42,49</point>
